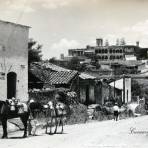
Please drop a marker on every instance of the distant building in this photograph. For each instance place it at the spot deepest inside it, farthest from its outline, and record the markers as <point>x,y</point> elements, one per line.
<point>110,52</point>
<point>13,61</point>
<point>124,85</point>
<point>93,90</point>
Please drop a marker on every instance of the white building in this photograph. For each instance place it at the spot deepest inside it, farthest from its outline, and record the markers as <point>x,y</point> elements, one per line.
<point>13,61</point>
<point>125,86</point>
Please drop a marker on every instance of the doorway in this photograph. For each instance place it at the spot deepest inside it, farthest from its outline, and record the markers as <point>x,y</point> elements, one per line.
<point>87,95</point>
<point>11,85</point>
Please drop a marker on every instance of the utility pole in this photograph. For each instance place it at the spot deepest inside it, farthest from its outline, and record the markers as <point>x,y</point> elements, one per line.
<point>114,85</point>
<point>115,66</point>
<point>123,88</point>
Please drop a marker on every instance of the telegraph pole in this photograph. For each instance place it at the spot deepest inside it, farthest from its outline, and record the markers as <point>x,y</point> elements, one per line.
<point>123,88</point>
<point>116,64</point>
<point>114,84</point>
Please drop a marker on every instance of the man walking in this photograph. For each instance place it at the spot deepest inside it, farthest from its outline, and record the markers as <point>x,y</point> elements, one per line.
<point>116,111</point>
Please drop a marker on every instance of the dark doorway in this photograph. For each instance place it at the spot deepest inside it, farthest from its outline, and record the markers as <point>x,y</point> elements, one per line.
<point>11,85</point>
<point>87,95</point>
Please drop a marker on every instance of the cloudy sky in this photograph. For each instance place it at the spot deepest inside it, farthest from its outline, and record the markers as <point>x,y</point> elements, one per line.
<point>63,24</point>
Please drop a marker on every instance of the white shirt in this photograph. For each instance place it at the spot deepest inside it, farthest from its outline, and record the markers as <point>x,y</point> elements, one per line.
<point>116,108</point>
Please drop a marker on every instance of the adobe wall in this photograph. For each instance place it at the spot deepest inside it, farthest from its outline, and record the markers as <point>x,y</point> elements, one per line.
<point>14,58</point>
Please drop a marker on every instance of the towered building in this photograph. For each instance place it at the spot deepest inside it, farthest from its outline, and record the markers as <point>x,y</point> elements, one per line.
<point>110,52</point>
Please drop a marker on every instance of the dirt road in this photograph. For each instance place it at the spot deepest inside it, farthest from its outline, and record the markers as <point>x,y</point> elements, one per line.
<point>128,133</point>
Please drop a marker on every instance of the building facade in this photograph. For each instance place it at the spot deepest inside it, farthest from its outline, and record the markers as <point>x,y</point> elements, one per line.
<point>110,53</point>
<point>13,61</point>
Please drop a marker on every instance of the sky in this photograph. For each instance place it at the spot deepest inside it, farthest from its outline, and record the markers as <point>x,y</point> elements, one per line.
<point>60,25</point>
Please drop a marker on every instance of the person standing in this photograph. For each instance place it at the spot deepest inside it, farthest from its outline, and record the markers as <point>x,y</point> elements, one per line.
<point>116,112</point>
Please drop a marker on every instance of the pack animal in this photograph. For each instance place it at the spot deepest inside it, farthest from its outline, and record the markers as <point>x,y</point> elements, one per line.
<point>12,108</point>
<point>56,113</point>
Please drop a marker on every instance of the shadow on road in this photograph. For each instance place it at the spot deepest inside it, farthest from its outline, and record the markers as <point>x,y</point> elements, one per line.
<point>57,133</point>
<point>15,137</point>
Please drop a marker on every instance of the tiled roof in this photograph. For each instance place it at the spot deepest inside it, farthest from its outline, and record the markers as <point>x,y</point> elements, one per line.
<point>54,67</point>
<point>52,77</point>
<point>50,66</point>
<point>62,77</point>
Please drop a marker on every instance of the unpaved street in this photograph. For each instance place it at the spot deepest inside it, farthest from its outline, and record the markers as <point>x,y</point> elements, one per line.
<point>106,134</point>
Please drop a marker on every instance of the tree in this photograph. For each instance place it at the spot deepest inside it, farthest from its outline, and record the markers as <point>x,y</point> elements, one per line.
<point>34,51</point>
<point>135,88</point>
<point>95,62</point>
<point>52,60</point>
<point>74,64</point>
<point>106,43</point>
<point>117,42</point>
<point>82,67</point>
<point>122,42</point>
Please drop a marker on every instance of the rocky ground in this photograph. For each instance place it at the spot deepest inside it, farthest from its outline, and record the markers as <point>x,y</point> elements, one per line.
<point>127,133</point>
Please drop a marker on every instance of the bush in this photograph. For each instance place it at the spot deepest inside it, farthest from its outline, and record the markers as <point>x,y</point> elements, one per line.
<point>98,115</point>
<point>140,109</point>
<point>42,96</point>
<point>77,114</point>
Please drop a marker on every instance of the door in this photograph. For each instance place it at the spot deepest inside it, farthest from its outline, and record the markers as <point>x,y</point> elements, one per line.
<point>11,85</point>
<point>87,95</point>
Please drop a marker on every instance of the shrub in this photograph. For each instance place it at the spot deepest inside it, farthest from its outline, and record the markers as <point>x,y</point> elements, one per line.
<point>140,109</point>
<point>77,114</point>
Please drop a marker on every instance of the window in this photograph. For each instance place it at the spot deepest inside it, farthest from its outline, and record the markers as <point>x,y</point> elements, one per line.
<point>106,51</point>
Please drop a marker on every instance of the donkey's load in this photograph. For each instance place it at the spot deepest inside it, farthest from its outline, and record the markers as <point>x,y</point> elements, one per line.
<point>16,106</point>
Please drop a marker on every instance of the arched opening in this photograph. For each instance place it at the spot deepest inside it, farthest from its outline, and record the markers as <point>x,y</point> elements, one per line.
<point>106,57</point>
<point>113,57</point>
<point>120,57</point>
<point>11,85</point>
<point>110,50</point>
<point>99,57</point>
<point>106,51</point>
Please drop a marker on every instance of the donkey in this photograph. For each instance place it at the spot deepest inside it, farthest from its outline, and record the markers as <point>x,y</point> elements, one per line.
<point>56,112</point>
<point>11,108</point>
<point>7,113</point>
